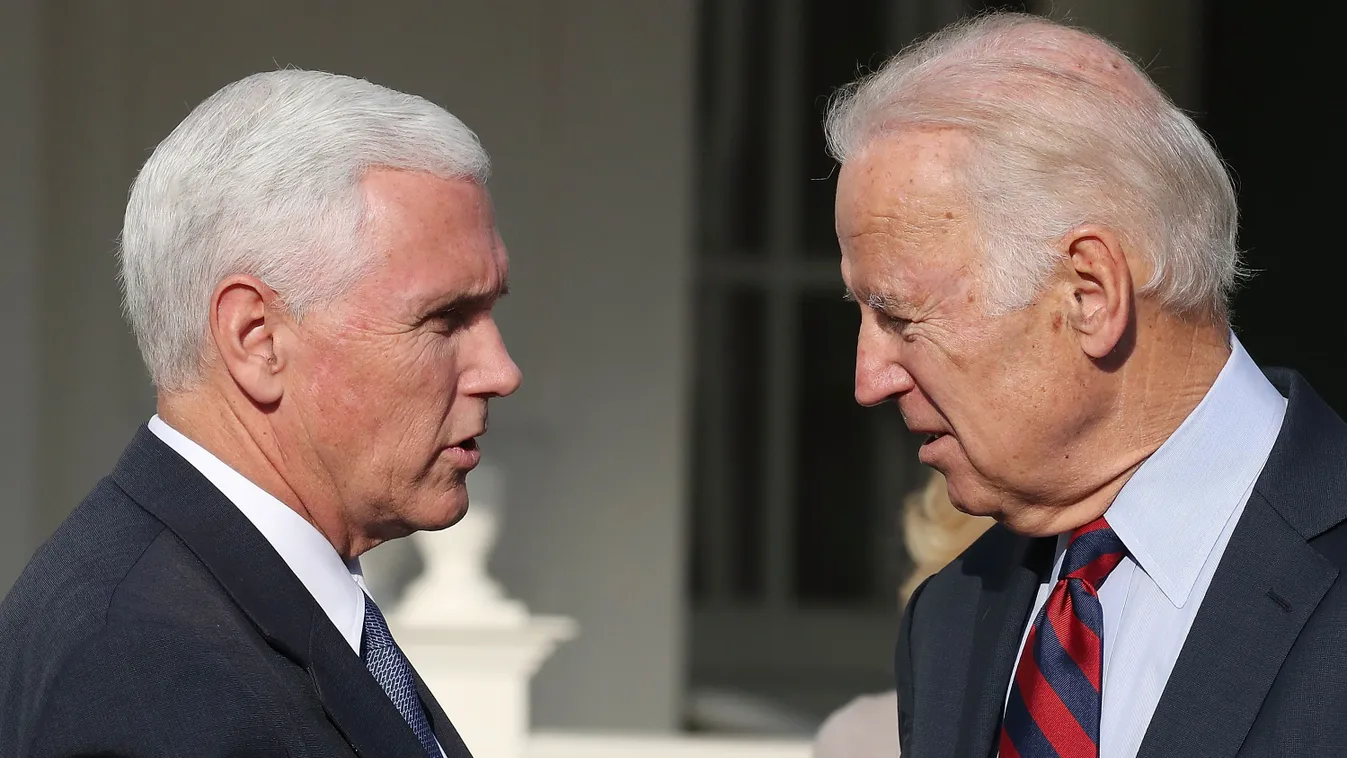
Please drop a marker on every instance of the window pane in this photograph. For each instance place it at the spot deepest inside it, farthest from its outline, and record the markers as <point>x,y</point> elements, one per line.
<point>733,109</point>
<point>843,38</point>
<point>728,444</point>
<point>834,475</point>
<point>748,380</point>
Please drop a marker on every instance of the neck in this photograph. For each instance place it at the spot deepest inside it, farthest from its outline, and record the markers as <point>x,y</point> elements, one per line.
<point>245,440</point>
<point>1154,390</point>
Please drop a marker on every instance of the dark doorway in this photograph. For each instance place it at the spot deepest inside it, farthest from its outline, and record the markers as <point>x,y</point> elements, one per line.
<point>1274,103</point>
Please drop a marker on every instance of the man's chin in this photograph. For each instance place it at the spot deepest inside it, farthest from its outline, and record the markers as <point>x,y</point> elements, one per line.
<point>451,513</point>
<point>971,500</point>
<point>440,514</point>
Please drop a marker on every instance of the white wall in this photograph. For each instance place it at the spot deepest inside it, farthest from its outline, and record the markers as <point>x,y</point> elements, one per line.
<point>598,532</point>
<point>586,107</point>
<point>93,389</point>
<point>18,271</point>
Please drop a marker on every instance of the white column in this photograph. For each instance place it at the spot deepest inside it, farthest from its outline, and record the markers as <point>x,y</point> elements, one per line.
<point>597,532</point>
<point>476,648</point>
<point>19,242</point>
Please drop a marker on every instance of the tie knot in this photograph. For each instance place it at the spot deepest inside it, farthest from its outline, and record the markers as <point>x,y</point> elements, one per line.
<point>1093,552</point>
<point>377,636</point>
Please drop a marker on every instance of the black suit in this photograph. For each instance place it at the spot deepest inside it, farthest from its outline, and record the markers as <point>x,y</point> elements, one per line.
<point>1263,670</point>
<point>158,621</point>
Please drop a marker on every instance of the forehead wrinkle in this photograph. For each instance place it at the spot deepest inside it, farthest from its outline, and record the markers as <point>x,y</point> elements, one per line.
<point>905,283</point>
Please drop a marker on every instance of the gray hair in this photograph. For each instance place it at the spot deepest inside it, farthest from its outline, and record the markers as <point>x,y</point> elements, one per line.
<point>1055,142</point>
<point>262,179</point>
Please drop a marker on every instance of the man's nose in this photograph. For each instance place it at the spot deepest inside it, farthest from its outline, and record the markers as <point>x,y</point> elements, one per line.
<point>878,376</point>
<point>497,375</point>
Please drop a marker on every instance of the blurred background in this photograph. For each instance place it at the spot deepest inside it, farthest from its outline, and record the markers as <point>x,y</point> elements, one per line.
<point>686,472</point>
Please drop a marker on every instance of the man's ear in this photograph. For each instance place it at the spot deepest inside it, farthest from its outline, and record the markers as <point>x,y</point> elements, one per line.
<point>1100,287</point>
<point>244,321</point>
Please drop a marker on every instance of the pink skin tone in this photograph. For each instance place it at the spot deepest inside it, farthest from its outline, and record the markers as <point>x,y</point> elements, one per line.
<point>1037,417</point>
<point>364,416</point>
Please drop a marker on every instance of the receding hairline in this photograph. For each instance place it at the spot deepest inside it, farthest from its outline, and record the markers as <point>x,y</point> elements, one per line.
<point>1089,55</point>
<point>1031,43</point>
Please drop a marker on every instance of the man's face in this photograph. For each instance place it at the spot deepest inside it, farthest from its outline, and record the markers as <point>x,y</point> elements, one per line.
<point>1000,398</point>
<point>393,379</point>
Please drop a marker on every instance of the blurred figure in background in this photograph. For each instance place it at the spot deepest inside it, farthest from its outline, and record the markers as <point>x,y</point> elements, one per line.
<point>934,533</point>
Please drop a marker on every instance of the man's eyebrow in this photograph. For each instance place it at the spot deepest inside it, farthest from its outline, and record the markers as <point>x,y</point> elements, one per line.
<point>469,301</point>
<point>879,301</point>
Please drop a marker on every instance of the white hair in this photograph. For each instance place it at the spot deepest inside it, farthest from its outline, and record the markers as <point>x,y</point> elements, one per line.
<point>262,179</point>
<point>1060,134</point>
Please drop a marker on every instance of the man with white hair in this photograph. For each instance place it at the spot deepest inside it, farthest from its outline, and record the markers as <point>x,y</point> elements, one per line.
<point>310,263</point>
<point>1043,249</point>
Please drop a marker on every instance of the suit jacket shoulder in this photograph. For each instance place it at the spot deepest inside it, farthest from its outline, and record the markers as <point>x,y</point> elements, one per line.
<point>61,600</point>
<point>1262,668</point>
<point>159,621</point>
<point>118,641</point>
<point>1277,605</point>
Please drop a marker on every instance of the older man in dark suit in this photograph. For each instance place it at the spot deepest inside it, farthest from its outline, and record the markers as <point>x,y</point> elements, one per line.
<point>310,263</point>
<point>1043,250</point>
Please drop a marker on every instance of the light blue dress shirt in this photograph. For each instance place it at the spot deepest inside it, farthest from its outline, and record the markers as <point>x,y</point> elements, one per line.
<point>1175,516</point>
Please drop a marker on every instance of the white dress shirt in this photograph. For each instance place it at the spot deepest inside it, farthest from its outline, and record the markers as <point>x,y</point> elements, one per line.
<point>1175,517</point>
<point>338,586</point>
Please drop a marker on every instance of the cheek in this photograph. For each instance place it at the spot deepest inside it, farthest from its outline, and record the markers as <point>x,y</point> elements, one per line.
<point>974,390</point>
<point>1021,409</point>
<point>347,395</point>
<point>418,385</point>
<point>363,384</point>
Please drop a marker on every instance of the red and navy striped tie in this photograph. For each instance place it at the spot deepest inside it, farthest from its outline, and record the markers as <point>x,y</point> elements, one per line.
<point>1053,709</point>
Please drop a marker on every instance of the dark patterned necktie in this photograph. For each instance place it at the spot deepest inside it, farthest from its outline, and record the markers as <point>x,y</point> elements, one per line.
<point>392,671</point>
<point>1054,704</point>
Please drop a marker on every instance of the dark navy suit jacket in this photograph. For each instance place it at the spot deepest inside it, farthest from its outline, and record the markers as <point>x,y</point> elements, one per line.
<point>157,621</point>
<point>1263,670</point>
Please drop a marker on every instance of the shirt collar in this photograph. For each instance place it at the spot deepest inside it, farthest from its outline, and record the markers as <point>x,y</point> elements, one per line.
<point>1172,511</point>
<point>335,584</point>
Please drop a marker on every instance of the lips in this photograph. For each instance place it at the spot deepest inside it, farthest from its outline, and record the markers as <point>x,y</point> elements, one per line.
<point>469,442</point>
<point>930,451</point>
<point>464,456</point>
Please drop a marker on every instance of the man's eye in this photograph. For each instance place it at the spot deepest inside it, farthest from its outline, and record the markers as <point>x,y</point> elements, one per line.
<point>448,320</point>
<point>893,323</point>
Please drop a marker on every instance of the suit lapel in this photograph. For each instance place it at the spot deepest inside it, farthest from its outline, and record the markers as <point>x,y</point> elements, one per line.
<point>1268,583</point>
<point>1003,606</point>
<point>354,701</point>
<point>263,586</point>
